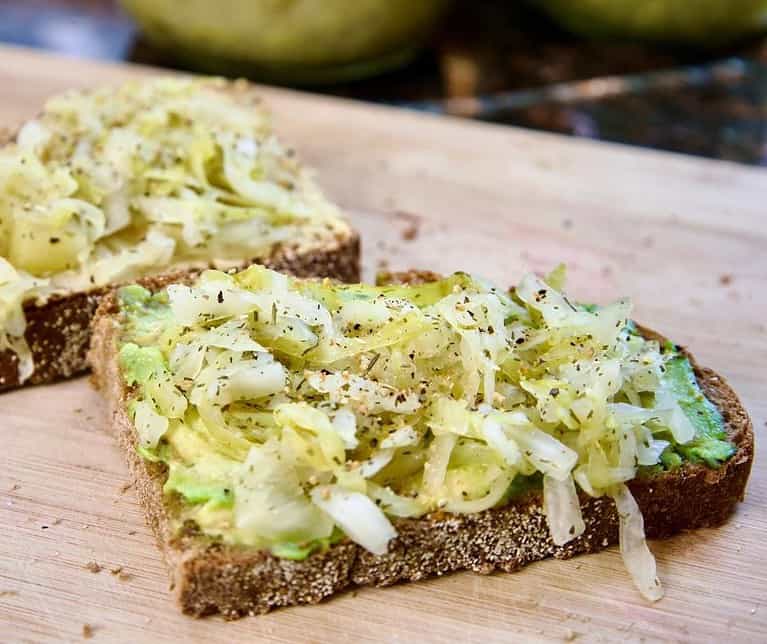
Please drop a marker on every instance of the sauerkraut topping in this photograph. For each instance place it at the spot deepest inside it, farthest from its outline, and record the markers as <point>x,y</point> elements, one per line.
<point>16,287</point>
<point>287,409</point>
<point>112,184</point>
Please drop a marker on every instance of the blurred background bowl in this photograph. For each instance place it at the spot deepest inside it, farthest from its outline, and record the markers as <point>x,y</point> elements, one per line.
<point>703,23</point>
<point>289,41</point>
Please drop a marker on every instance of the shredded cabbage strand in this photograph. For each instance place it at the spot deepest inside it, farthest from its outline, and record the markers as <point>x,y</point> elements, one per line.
<point>637,557</point>
<point>17,287</point>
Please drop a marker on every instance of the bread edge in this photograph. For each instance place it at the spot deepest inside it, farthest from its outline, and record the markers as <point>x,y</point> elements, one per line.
<point>237,581</point>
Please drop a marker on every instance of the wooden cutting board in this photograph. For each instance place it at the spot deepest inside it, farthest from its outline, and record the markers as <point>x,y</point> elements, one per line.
<point>686,238</point>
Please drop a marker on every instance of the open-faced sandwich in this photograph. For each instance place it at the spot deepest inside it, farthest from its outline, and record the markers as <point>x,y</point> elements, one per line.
<point>290,438</point>
<point>151,177</point>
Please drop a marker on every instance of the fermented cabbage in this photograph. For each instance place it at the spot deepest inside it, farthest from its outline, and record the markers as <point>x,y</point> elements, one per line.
<point>361,404</point>
<point>15,288</point>
<point>112,184</point>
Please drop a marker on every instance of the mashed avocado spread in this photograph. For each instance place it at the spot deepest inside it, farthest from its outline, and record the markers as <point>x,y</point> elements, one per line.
<point>290,412</point>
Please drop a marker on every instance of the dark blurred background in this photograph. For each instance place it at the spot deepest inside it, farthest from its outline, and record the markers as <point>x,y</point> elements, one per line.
<point>682,75</point>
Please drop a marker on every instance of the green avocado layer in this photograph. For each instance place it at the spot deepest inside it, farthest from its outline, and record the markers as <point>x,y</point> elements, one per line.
<point>710,445</point>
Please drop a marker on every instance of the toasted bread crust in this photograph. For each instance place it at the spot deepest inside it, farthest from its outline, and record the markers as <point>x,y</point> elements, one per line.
<point>58,331</point>
<point>236,581</point>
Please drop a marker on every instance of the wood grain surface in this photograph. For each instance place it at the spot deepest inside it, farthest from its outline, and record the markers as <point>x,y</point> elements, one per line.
<point>686,238</point>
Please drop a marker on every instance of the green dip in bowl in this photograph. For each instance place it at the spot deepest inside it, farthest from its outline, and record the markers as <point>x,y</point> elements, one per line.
<point>706,23</point>
<point>292,41</point>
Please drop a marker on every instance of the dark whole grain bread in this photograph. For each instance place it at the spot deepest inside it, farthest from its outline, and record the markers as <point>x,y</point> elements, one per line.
<point>58,331</point>
<point>212,578</point>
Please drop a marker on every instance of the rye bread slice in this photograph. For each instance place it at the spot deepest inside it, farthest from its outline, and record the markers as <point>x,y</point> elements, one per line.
<point>58,331</point>
<point>209,578</point>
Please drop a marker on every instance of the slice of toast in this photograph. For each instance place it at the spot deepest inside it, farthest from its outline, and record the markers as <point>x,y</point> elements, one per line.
<point>235,581</point>
<point>58,328</point>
